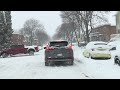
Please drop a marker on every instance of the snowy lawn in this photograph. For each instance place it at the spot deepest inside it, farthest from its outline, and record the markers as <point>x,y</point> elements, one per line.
<point>32,67</point>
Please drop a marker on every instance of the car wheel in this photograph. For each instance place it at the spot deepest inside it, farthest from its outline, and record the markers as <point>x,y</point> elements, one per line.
<point>117,61</point>
<point>4,55</point>
<point>46,64</point>
<point>90,56</point>
<point>71,63</point>
<point>31,53</point>
<point>50,63</point>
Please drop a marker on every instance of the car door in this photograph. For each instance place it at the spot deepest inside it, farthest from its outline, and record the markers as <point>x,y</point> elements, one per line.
<point>13,50</point>
<point>21,49</point>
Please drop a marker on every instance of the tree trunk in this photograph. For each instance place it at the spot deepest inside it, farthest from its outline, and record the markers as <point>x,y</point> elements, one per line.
<point>77,38</point>
<point>79,33</point>
<point>87,34</point>
<point>86,26</point>
<point>76,35</point>
<point>31,38</point>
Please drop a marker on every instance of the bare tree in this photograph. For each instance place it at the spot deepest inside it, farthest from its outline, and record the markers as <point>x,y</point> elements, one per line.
<point>30,26</point>
<point>34,30</point>
<point>69,17</point>
<point>64,31</point>
<point>21,31</point>
<point>57,35</point>
<point>42,37</point>
<point>84,20</point>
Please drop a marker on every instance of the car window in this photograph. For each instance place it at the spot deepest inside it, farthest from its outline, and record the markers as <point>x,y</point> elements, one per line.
<point>100,44</point>
<point>20,46</point>
<point>61,43</point>
<point>17,46</point>
<point>14,46</point>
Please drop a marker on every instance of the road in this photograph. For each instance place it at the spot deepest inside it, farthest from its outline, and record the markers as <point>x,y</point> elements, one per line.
<point>33,67</point>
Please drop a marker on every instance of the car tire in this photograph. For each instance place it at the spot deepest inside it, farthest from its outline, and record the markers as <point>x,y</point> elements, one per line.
<point>90,56</point>
<point>117,61</point>
<point>46,64</point>
<point>71,63</point>
<point>4,55</point>
<point>31,53</point>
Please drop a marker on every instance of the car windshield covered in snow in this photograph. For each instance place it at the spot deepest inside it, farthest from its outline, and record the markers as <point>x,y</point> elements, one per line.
<point>58,43</point>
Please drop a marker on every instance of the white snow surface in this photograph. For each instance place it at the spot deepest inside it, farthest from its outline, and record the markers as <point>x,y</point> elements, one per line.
<point>32,67</point>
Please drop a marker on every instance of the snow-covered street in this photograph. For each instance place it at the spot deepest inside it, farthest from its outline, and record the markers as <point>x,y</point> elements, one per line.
<point>32,67</point>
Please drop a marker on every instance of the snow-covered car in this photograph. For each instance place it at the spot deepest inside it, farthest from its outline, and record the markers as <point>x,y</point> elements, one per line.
<point>113,44</point>
<point>116,51</point>
<point>97,49</point>
<point>117,55</point>
<point>58,51</point>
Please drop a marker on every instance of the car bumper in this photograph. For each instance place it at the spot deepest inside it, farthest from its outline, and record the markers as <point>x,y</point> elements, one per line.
<point>59,60</point>
<point>101,55</point>
<point>37,50</point>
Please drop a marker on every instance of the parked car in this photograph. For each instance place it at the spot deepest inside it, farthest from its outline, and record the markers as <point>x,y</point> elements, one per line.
<point>116,51</point>
<point>58,51</point>
<point>96,50</point>
<point>112,44</point>
<point>19,49</point>
<point>117,55</point>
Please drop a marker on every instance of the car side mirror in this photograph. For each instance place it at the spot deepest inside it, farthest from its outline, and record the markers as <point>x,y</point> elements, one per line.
<point>44,47</point>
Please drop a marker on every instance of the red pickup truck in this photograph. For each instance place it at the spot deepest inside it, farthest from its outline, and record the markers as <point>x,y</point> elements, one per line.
<point>19,49</point>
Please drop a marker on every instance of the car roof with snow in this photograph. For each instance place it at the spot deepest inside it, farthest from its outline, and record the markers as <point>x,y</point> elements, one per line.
<point>115,43</point>
<point>96,44</point>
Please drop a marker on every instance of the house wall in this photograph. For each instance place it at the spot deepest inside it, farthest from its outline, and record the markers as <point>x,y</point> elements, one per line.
<point>103,33</point>
<point>17,39</point>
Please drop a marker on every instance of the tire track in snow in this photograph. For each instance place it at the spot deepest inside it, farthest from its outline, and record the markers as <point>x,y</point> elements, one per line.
<point>81,65</point>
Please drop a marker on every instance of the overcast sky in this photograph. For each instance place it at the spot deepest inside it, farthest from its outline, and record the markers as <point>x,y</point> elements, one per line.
<point>50,19</point>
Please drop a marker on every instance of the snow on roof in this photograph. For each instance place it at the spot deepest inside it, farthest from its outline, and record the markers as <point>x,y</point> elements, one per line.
<point>97,42</point>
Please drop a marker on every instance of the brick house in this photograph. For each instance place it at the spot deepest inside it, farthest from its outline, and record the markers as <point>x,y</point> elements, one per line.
<point>27,41</point>
<point>17,39</point>
<point>102,33</point>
